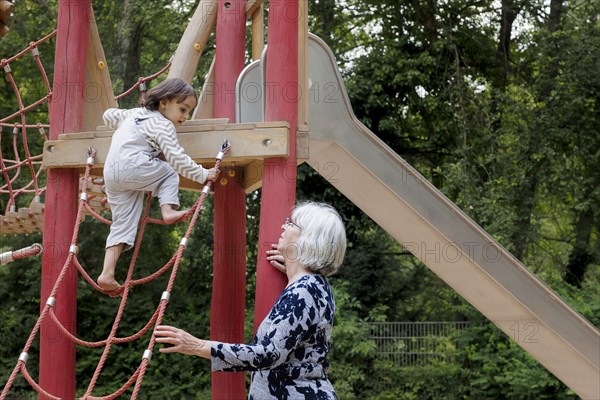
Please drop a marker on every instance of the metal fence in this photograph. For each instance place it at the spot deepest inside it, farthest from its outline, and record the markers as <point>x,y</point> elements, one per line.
<point>418,343</point>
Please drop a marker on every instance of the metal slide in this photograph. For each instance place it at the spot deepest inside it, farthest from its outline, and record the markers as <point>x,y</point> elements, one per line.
<point>437,232</point>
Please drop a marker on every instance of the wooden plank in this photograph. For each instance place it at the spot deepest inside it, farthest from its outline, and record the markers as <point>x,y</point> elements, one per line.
<point>98,91</point>
<point>254,169</point>
<point>200,128</point>
<point>271,124</point>
<point>5,226</point>
<point>79,135</point>
<point>188,126</point>
<point>253,175</point>
<point>99,205</point>
<point>241,126</point>
<point>105,133</point>
<point>37,207</point>
<point>73,153</point>
<point>95,191</point>
<point>206,101</point>
<point>24,213</point>
<point>27,225</point>
<point>258,28</point>
<point>252,6</point>
<point>187,184</point>
<point>221,127</point>
<point>95,172</point>
<point>24,220</point>
<point>302,144</point>
<point>12,217</point>
<point>247,145</point>
<point>98,201</point>
<point>204,121</point>
<point>303,91</point>
<point>194,39</point>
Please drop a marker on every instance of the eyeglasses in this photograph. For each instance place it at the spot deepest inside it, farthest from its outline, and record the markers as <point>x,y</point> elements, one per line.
<point>288,222</point>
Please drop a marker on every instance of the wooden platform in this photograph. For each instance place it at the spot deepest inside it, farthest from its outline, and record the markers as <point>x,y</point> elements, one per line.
<point>201,139</point>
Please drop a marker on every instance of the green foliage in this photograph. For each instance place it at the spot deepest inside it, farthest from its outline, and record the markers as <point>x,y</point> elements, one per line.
<point>515,146</point>
<point>352,351</point>
<point>440,381</point>
<point>497,367</point>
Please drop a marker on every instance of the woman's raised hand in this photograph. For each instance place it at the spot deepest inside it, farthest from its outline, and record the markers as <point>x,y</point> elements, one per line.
<point>275,258</point>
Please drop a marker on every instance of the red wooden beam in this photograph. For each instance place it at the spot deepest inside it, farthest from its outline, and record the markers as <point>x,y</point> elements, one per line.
<point>279,175</point>
<point>57,353</point>
<point>229,269</point>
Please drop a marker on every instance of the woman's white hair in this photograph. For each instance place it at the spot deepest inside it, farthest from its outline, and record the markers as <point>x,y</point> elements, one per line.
<point>322,242</point>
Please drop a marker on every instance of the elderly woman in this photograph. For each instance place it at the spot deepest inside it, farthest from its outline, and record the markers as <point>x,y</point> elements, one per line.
<point>288,358</point>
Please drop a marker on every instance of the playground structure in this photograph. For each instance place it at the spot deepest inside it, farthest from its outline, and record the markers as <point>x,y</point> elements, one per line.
<point>272,133</point>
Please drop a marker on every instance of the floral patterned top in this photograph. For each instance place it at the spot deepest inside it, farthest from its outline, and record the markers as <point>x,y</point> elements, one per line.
<point>288,356</point>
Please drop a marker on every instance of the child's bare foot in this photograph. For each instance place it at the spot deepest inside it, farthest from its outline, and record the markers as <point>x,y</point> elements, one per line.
<point>172,216</point>
<point>108,283</point>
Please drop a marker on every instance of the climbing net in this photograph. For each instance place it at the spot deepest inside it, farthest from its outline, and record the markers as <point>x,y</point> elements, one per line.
<point>19,169</point>
<point>72,262</point>
<point>22,182</point>
<point>22,175</point>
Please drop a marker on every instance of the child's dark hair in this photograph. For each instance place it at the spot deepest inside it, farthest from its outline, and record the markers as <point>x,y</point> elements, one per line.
<point>167,90</point>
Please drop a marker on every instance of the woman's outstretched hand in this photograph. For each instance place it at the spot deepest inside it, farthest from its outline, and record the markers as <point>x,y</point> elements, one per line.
<point>181,341</point>
<point>275,258</point>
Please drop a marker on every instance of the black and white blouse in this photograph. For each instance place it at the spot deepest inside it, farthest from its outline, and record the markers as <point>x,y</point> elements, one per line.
<point>288,356</point>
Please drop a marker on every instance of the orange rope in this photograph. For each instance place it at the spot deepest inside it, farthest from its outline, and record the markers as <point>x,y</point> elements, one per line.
<point>142,82</point>
<point>157,317</point>
<point>116,340</point>
<point>12,167</point>
<point>28,49</point>
<point>145,360</point>
<point>29,161</point>
<point>11,170</point>
<point>30,251</point>
<point>35,386</point>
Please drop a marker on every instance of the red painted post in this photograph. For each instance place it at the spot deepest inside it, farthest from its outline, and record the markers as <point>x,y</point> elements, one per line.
<point>279,175</point>
<point>229,268</point>
<point>229,277</point>
<point>57,353</point>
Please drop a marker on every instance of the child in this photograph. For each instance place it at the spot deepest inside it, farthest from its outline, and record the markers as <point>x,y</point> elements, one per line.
<point>145,136</point>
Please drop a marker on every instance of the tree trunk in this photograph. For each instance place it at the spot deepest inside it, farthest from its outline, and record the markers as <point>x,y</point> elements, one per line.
<point>524,201</point>
<point>510,10</point>
<point>127,50</point>
<point>581,256</point>
<point>500,73</point>
<point>132,61</point>
<point>426,16</point>
<point>555,17</point>
<point>325,11</point>
<point>551,47</point>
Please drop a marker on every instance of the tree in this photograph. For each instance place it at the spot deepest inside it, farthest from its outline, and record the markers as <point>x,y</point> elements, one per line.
<point>495,102</point>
